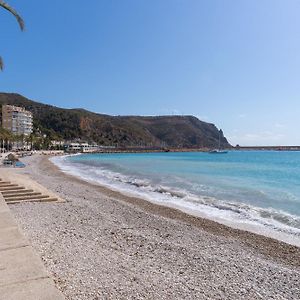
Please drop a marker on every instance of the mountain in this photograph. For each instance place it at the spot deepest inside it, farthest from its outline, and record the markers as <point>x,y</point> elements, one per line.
<point>124,131</point>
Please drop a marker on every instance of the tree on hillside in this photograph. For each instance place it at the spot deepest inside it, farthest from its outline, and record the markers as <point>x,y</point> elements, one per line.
<point>18,18</point>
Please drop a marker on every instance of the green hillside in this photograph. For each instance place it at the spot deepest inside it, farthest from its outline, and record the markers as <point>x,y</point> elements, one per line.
<point>124,131</point>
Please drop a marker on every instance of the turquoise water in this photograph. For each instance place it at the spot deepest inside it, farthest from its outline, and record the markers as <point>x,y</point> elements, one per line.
<point>258,187</point>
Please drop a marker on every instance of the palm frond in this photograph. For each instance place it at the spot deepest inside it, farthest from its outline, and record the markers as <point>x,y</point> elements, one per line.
<point>18,18</point>
<point>1,64</point>
<point>12,11</point>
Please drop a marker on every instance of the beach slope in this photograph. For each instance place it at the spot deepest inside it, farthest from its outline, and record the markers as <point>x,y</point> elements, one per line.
<point>101,244</point>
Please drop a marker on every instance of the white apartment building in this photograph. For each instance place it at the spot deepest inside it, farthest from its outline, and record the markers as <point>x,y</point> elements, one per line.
<point>17,120</point>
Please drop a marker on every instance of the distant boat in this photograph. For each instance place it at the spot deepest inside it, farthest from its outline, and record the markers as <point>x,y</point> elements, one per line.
<point>219,150</point>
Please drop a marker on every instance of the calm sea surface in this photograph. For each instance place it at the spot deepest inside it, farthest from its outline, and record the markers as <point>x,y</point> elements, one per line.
<point>255,187</point>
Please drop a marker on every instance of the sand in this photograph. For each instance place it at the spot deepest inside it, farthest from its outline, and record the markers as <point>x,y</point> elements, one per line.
<point>101,244</point>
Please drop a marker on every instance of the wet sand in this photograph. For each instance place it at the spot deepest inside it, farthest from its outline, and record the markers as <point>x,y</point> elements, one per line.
<point>101,244</point>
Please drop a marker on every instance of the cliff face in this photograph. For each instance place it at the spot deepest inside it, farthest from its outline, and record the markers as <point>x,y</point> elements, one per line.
<point>166,131</point>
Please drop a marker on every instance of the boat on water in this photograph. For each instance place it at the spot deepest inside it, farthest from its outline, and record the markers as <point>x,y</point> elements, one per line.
<point>219,150</point>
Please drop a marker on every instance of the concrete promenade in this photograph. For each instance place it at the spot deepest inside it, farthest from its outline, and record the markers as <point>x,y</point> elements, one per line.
<point>22,274</point>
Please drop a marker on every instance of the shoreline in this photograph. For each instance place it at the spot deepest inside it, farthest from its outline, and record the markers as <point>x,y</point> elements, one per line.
<point>269,244</point>
<point>243,225</point>
<point>131,247</point>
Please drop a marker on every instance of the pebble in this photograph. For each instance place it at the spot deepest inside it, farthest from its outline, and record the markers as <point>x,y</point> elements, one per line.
<point>99,247</point>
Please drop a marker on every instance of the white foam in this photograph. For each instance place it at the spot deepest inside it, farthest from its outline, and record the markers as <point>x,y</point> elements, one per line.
<point>237,215</point>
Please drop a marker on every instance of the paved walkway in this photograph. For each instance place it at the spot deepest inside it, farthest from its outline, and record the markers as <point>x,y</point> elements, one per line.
<point>22,274</point>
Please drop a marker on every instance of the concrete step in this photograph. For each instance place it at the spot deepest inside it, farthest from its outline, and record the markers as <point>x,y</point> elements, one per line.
<point>33,200</point>
<point>12,188</point>
<point>4,182</point>
<point>7,185</point>
<point>16,192</point>
<point>25,198</point>
<point>22,195</point>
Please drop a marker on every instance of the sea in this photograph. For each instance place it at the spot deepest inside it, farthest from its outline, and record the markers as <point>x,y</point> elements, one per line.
<point>257,191</point>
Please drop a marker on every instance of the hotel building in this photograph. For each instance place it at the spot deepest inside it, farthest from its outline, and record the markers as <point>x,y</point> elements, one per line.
<point>17,120</point>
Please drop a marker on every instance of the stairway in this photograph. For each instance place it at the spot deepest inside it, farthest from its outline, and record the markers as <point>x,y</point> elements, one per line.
<point>14,193</point>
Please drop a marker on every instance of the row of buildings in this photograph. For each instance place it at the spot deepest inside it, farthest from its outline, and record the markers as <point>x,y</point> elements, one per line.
<point>85,147</point>
<point>19,121</point>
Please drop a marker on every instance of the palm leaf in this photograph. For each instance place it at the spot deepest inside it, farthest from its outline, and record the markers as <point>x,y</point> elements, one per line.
<point>12,11</point>
<point>19,20</point>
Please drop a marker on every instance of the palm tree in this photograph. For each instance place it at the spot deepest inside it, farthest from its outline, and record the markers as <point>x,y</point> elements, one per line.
<point>18,18</point>
<point>6,138</point>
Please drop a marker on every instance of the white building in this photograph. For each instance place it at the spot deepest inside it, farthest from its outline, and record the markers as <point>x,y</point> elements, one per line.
<point>82,147</point>
<point>16,120</point>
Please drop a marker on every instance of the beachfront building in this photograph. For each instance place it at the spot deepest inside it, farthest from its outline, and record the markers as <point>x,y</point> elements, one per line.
<point>57,144</point>
<point>17,120</point>
<point>85,147</point>
<point>81,147</point>
<point>73,147</point>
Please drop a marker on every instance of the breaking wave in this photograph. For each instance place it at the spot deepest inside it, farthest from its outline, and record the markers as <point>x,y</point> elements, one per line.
<point>213,208</point>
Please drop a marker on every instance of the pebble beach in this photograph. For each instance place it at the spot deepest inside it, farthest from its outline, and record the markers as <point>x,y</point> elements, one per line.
<point>100,244</point>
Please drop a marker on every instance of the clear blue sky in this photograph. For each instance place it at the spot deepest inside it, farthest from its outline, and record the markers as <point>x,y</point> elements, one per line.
<point>230,62</point>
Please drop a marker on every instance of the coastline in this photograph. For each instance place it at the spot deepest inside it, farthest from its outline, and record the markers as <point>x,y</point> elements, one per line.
<point>244,224</point>
<point>131,223</point>
<point>268,244</point>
